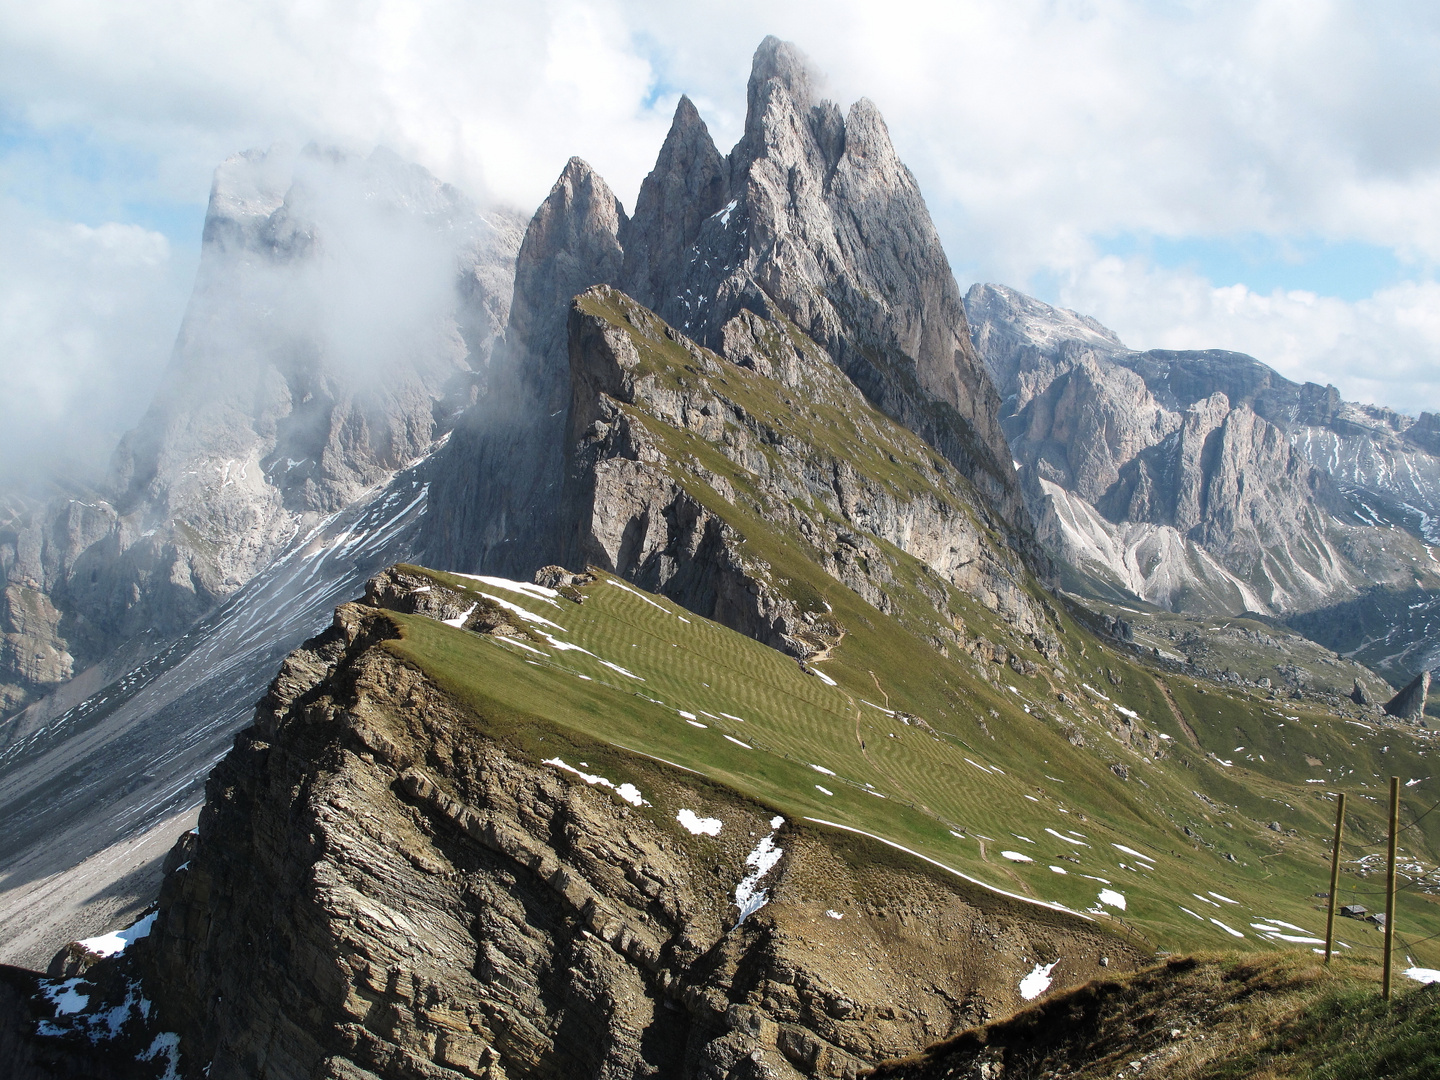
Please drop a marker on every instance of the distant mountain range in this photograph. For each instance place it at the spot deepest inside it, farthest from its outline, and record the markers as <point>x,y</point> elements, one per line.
<point>1204,481</point>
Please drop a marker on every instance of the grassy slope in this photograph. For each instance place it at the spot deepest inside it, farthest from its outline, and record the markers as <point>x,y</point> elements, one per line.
<point>996,763</point>
<point>792,720</point>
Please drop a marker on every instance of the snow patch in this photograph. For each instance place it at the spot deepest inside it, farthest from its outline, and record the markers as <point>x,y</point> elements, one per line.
<point>1132,851</point>
<point>459,620</point>
<point>833,913</point>
<point>168,1044</point>
<point>1112,898</point>
<point>697,825</point>
<point>114,943</point>
<point>525,588</point>
<point>516,609</point>
<point>629,792</point>
<point>1422,975</point>
<point>66,998</point>
<point>1037,982</point>
<point>1015,856</point>
<point>642,596</point>
<point>749,897</point>
<point>1229,930</point>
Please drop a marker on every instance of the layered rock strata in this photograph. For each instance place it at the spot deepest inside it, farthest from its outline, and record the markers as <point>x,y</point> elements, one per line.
<point>382,887</point>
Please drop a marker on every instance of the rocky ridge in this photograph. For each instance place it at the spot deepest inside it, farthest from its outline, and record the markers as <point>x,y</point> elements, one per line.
<point>435,901</point>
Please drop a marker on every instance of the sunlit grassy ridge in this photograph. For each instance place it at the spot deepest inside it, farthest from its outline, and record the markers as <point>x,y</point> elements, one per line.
<point>908,785</point>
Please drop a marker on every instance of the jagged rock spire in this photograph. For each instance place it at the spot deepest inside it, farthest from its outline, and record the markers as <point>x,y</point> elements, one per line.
<point>820,219</point>
<point>572,242</point>
<point>688,184</point>
<point>494,496</point>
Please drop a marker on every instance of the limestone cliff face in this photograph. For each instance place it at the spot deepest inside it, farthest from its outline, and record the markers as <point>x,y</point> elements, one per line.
<point>383,887</point>
<point>1201,480</point>
<point>640,511</point>
<point>814,212</point>
<point>342,309</point>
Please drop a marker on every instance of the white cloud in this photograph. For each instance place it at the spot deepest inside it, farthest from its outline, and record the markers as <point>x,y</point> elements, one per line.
<point>87,317</point>
<point>1384,349</point>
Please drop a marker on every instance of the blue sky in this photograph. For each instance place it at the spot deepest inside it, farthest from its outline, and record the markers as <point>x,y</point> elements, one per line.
<point>1259,175</point>
<point>1349,270</point>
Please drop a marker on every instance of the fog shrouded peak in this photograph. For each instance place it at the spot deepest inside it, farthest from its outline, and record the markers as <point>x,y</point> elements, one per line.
<point>331,311</point>
<point>343,314</point>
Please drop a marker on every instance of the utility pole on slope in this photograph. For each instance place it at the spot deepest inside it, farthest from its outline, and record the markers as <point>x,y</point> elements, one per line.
<point>1334,877</point>
<point>1390,887</point>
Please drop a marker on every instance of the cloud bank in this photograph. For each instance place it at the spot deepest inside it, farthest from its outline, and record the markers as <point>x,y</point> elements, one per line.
<point>1039,131</point>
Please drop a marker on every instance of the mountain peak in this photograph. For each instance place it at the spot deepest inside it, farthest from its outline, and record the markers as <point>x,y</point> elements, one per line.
<point>785,63</point>
<point>687,186</point>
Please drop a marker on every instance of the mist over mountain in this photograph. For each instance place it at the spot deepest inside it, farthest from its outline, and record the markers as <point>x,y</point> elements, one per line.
<point>344,312</point>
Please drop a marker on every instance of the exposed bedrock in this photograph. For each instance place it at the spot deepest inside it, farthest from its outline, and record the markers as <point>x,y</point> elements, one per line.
<point>383,888</point>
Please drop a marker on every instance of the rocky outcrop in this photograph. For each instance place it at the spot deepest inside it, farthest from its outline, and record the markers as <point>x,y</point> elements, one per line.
<point>382,886</point>
<point>1409,703</point>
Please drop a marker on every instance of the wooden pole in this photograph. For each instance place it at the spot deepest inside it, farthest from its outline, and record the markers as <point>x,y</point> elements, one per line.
<point>1334,878</point>
<point>1390,886</point>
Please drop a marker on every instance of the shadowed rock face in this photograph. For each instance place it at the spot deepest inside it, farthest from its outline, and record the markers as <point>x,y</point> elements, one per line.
<point>1409,704</point>
<point>495,488</point>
